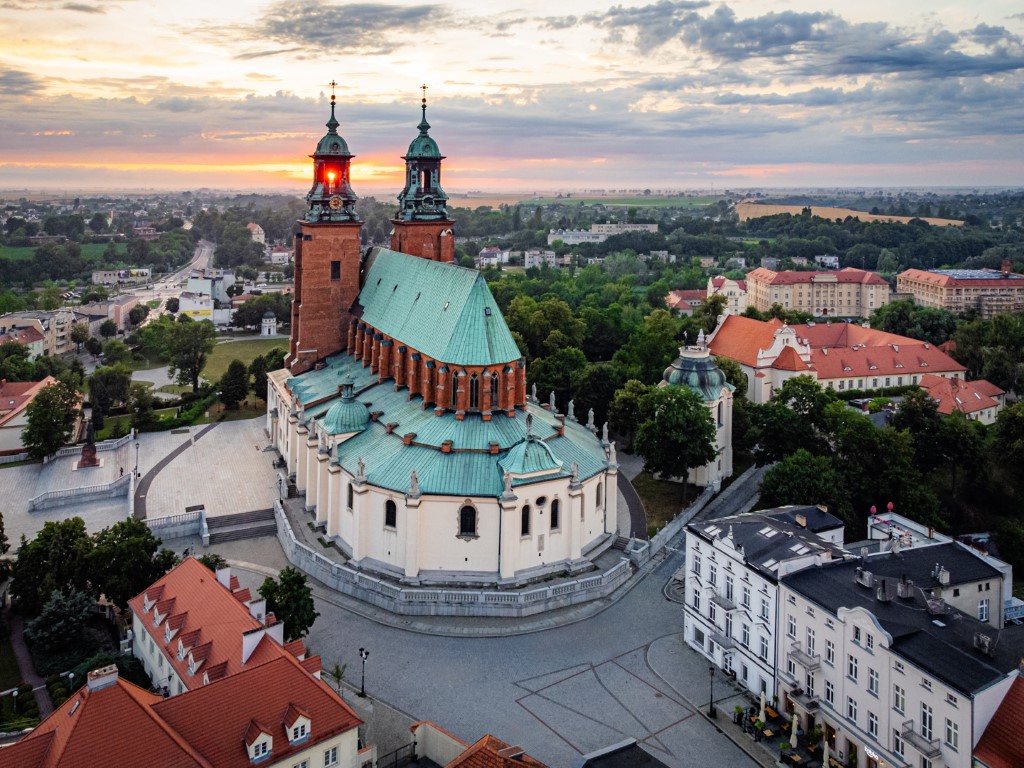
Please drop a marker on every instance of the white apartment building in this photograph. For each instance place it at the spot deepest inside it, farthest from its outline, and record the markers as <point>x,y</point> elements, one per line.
<point>537,258</point>
<point>900,657</point>
<point>732,581</point>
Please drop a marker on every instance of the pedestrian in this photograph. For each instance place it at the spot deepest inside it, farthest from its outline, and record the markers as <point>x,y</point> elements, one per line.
<point>122,472</point>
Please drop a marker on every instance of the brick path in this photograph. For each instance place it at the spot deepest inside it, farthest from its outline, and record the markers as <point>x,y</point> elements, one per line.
<point>28,672</point>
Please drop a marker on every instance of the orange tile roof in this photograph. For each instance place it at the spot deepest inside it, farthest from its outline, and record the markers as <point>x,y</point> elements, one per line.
<point>114,726</point>
<point>957,394</point>
<point>15,396</point>
<point>675,299</point>
<point>941,280</point>
<point>1000,745</point>
<point>789,360</point>
<point>788,277</point>
<point>718,282</point>
<point>210,620</point>
<point>739,338</point>
<point>988,388</point>
<point>491,752</point>
<point>215,719</point>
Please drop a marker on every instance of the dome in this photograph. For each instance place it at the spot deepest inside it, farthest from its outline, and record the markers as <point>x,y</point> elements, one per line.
<point>268,315</point>
<point>346,415</point>
<point>425,147</point>
<point>696,369</point>
<point>332,143</point>
<point>529,456</point>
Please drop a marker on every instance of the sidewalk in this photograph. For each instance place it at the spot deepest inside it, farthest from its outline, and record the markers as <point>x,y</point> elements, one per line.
<point>28,672</point>
<point>678,666</point>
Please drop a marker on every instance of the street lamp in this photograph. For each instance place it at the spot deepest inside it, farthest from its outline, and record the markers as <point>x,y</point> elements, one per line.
<point>136,459</point>
<point>364,654</point>
<point>15,701</point>
<point>712,712</point>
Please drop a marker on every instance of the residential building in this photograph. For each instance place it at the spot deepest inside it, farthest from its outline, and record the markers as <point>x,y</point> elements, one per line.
<point>827,262</point>
<point>736,262</point>
<point>116,309</point>
<point>910,660</point>
<point>685,302</point>
<point>30,338</point>
<point>53,324</point>
<point>211,282</point>
<point>1001,745</point>
<point>977,400</point>
<point>456,476</point>
<point>272,714</point>
<point>989,292</point>
<point>491,256</point>
<point>256,233</point>
<point>624,754</point>
<point>847,293</point>
<point>735,292</point>
<point>733,567</point>
<point>15,397</point>
<point>598,233</point>
<point>622,228</point>
<point>191,628</point>
<point>770,262</point>
<point>537,258</point>
<point>839,355</point>
<point>430,742</point>
<point>280,254</point>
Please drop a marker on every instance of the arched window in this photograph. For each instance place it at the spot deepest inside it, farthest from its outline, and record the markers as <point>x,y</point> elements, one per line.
<point>474,392</point>
<point>467,521</point>
<point>495,401</point>
<point>524,527</point>
<point>455,390</point>
<point>350,495</point>
<point>556,513</point>
<point>390,514</point>
<point>600,493</point>
<point>720,413</point>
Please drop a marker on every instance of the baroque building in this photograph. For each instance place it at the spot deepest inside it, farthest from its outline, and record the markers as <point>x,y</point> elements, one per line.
<point>403,412</point>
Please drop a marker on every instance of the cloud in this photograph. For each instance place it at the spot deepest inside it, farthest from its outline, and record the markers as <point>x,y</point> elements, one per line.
<point>14,82</point>
<point>83,8</point>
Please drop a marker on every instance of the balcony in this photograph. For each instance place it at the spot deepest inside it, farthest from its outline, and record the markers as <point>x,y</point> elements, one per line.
<point>928,749</point>
<point>807,701</point>
<point>723,602</point>
<point>809,661</point>
<point>724,641</point>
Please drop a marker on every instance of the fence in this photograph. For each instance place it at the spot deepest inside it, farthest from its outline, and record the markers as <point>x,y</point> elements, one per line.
<point>51,499</point>
<point>13,458</point>
<point>76,450</point>
<point>411,601</point>
<point>177,526</point>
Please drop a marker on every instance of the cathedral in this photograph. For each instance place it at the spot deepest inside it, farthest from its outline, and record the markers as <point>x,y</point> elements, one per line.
<point>403,412</point>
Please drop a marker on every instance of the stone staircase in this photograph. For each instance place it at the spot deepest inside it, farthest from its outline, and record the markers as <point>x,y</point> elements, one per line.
<point>621,543</point>
<point>243,525</point>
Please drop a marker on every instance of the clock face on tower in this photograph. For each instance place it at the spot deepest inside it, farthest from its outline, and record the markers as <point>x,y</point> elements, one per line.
<point>335,202</point>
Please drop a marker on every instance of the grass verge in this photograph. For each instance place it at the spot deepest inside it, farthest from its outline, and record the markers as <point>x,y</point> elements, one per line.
<point>246,351</point>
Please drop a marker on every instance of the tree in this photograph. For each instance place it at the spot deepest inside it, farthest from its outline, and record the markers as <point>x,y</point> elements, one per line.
<point>676,432</point>
<point>140,405</point>
<point>290,599</point>
<point>93,346</point>
<point>734,375</point>
<point>336,675</point>
<point>79,334</point>
<point>56,558</point>
<point>107,386</point>
<point>108,328</point>
<point>804,479</point>
<point>51,420</point>
<point>624,412</point>
<point>61,621</point>
<point>188,344</point>
<point>14,362</point>
<point>125,559</point>
<point>234,384</point>
<point>172,304</point>
<point>137,314</point>
<point>213,561</point>
<point>258,371</point>
<point>115,352</point>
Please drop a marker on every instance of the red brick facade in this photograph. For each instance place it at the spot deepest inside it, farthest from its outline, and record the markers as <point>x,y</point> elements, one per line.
<point>431,240</point>
<point>477,389</point>
<point>327,260</point>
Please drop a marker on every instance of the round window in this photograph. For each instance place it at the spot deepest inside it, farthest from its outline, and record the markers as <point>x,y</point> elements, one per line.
<point>542,501</point>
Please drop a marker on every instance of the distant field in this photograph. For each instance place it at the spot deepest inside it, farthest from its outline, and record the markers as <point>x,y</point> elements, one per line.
<point>90,251</point>
<point>246,351</point>
<point>755,210</point>
<point>645,202</point>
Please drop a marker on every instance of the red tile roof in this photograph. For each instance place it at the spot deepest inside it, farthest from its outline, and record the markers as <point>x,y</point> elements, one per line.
<point>15,396</point>
<point>739,338</point>
<point>996,280</point>
<point>988,388</point>
<point>123,726</point>
<point>789,360</point>
<point>491,752</point>
<point>210,620</point>
<point>958,395</point>
<point>1001,745</point>
<point>847,275</point>
<point>24,336</point>
<point>675,299</point>
<point>718,282</point>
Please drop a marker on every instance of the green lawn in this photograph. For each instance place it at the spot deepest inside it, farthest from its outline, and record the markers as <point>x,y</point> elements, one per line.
<point>92,252</point>
<point>644,202</point>
<point>246,351</point>
<point>662,500</point>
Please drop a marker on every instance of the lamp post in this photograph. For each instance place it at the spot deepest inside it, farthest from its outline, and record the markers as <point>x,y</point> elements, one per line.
<point>712,712</point>
<point>15,701</point>
<point>136,459</point>
<point>364,654</point>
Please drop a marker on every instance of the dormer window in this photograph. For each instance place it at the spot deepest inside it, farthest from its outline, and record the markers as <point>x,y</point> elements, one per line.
<point>167,633</point>
<point>297,725</point>
<point>191,665</point>
<point>260,750</point>
<point>299,732</point>
<point>181,649</point>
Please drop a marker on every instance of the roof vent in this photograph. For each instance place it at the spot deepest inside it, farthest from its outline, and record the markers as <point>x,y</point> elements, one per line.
<point>801,520</point>
<point>936,606</point>
<point>514,753</point>
<point>905,589</point>
<point>864,578</point>
<point>883,594</point>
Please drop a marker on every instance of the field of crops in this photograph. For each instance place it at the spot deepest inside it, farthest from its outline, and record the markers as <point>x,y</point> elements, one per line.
<point>643,202</point>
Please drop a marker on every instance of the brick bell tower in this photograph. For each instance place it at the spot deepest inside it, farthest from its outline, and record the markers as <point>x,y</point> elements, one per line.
<point>327,255</point>
<point>422,227</point>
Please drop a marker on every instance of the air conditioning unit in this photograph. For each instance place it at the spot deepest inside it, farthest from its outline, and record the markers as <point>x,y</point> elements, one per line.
<point>984,643</point>
<point>883,593</point>
<point>936,606</point>
<point>864,578</point>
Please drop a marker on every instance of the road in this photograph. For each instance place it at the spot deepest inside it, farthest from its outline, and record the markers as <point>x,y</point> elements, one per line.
<point>170,286</point>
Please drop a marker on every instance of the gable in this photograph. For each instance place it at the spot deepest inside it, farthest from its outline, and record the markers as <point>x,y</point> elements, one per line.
<point>443,311</point>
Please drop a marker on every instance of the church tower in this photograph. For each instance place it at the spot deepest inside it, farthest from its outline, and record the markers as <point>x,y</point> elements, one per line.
<point>422,227</point>
<point>327,254</point>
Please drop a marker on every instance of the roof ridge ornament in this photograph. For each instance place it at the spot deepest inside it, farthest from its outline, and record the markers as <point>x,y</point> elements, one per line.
<point>332,124</point>
<point>424,126</point>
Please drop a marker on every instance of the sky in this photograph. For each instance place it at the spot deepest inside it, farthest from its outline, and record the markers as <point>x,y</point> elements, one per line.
<point>523,96</point>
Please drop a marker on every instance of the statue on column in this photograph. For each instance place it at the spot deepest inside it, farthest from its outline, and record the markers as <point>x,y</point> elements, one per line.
<point>89,449</point>
<point>571,414</point>
<point>414,484</point>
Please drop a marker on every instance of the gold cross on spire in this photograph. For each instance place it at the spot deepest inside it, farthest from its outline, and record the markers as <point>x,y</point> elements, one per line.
<point>333,85</point>
<point>424,89</point>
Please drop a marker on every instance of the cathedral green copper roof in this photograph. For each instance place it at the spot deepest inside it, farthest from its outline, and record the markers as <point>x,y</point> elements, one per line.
<point>443,311</point>
<point>346,415</point>
<point>530,456</point>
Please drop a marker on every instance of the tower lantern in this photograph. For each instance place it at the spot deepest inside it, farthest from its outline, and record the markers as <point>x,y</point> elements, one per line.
<point>331,198</point>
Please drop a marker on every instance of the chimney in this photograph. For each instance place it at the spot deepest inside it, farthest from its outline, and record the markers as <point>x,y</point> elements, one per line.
<point>224,577</point>
<point>103,677</point>
<point>258,610</point>
<point>1005,267</point>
